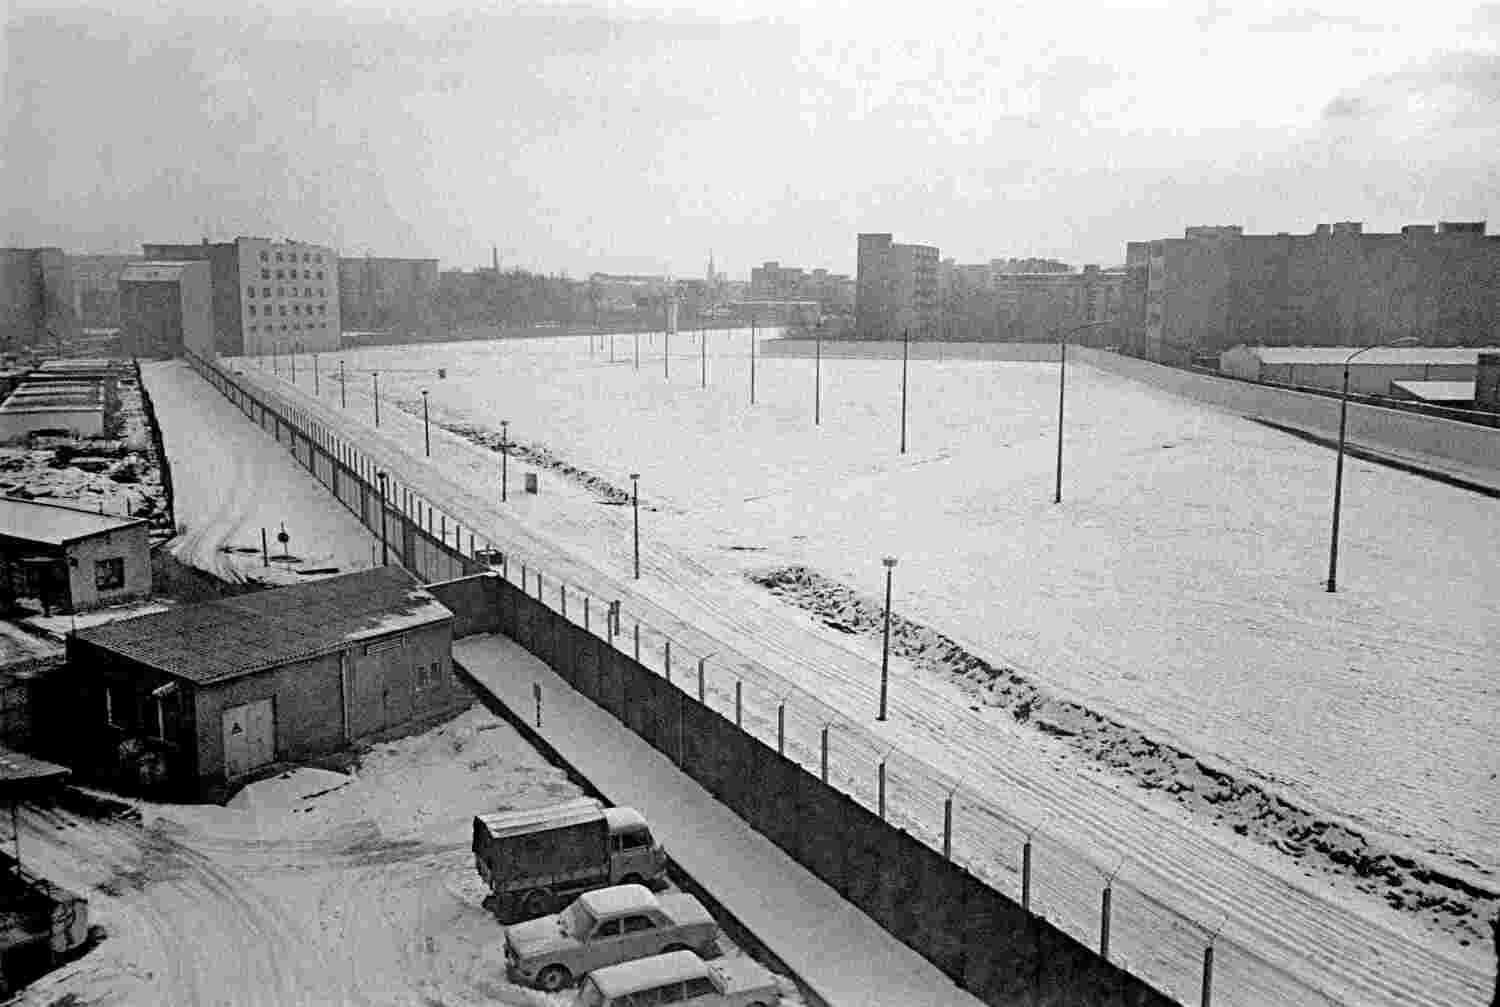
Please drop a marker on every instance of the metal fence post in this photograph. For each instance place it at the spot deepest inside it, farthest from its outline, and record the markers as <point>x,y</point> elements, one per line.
<point>1208,975</point>
<point>824,764</point>
<point>738,703</point>
<point>667,660</point>
<point>637,643</point>
<point>781,728</point>
<point>1026,874</point>
<point>702,680</point>
<point>585,612</point>
<point>562,594</point>
<point>524,579</point>
<point>1104,924</point>
<point>539,585</point>
<point>880,788</point>
<point>948,826</point>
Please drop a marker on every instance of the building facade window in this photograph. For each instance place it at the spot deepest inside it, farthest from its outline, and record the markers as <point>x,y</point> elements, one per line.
<point>306,257</point>
<point>265,274</point>
<point>281,309</point>
<point>249,291</point>
<point>252,311</point>
<point>264,255</point>
<point>280,291</point>
<point>109,574</point>
<point>265,291</point>
<point>281,274</point>
<point>318,257</point>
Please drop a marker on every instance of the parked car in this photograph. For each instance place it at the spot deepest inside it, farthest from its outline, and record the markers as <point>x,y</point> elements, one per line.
<point>534,861</point>
<point>680,978</point>
<point>606,927</point>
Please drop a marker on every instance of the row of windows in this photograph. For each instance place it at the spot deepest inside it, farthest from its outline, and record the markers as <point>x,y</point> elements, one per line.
<point>282,274</point>
<point>282,292</point>
<point>296,326</point>
<point>296,310</point>
<point>292,256</point>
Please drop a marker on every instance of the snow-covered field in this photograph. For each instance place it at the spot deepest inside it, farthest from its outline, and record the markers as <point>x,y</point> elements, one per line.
<point>1176,592</point>
<point>231,480</point>
<point>313,888</point>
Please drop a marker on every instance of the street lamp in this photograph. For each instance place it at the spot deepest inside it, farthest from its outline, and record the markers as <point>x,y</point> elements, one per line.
<point>375,377</point>
<point>504,456</point>
<point>885,650</point>
<point>294,362</point>
<point>905,353</point>
<point>1338,472</point>
<point>385,558</point>
<point>635,507</point>
<point>343,387</point>
<point>752,360</point>
<point>1062,379</point>
<point>818,375</point>
<point>426,429</point>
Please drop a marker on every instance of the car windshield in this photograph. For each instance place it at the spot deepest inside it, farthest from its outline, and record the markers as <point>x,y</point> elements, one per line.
<point>589,995</point>
<point>576,921</point>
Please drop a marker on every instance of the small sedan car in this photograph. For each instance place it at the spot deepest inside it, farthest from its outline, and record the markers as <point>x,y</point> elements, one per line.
<point>606,927</point>
<point>680,978</point>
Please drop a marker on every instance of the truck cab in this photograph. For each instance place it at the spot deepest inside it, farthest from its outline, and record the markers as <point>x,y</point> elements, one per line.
<point>634,854</point>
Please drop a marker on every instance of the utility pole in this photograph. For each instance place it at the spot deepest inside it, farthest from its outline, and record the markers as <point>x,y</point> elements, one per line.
<point>905,344</point>
<point>635,507</point>
<point>818,378</point>
<point>504,458</point>
<point>885,650</point>
<point>375,376</point>
<point>343,388</point>
<point>426,429</point>
<point>315,375</point>
<point>752,360</point>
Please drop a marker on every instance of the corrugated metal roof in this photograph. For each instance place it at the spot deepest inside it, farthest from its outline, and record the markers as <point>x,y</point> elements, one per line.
<point>1439,391</point>
<point>1382,355</point>
<point>54,525</point>
<point>219,640</point>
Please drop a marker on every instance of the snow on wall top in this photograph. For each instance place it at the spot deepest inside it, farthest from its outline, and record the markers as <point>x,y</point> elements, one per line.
<point>1380,355</point>
<point>219,640</point>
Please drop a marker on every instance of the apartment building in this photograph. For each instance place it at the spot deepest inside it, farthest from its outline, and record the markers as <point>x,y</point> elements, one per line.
<point>36,299</point>
<point>896,289</point>
<point>267,295</point>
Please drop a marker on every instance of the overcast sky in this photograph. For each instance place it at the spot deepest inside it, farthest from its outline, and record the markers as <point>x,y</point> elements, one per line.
<point>632,136</point>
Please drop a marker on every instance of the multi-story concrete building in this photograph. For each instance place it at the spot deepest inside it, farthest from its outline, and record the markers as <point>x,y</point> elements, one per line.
<point>378,293</point>
<point>982,302</point>
<point>166,307</point>
<point>267,294</point>
<point>1217,287</point>
<point>96,288</point>
<point>896,289</point>
<point>774,282</point>
<point>36,299</point>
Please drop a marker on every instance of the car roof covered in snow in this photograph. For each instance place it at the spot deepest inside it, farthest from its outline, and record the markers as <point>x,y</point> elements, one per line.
<point>219,640</point>
<point>617,899</point>
<point>645,973</point>
<point>624,819</point>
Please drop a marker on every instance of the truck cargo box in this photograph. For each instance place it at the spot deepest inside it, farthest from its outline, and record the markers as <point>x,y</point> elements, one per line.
<point>538,844</point>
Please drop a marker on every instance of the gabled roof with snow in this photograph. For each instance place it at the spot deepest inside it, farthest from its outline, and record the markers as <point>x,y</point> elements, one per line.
<point>219,640</point>
<point>1381,355</point>
<point>54,525</point>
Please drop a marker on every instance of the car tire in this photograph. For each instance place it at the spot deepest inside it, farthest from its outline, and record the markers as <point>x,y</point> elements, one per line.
<point>553,978</point>
<point>536,903</point>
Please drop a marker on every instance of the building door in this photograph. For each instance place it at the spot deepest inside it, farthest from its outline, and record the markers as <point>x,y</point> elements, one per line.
<point>249,737</point>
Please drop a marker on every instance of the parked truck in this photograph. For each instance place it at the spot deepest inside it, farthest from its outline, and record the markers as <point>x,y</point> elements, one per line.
<point>536,861</point>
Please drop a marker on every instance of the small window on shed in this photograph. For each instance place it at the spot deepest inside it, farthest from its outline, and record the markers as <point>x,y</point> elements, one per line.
<point>109,574</point>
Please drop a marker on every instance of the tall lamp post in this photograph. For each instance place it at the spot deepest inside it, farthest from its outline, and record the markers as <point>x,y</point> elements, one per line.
<point>752,360</point>
<point>504,457</point>
<point>1338,471</point>
<point>1062,380</point>
<point>635,507</point>
<point>294,363</point>
<point>885,649</point>
<point>375,377</point>
<point>818,376</point>
<point>905,353</point>
<point>343,387</point>
<point>385,559</point>
<point>426,429</point>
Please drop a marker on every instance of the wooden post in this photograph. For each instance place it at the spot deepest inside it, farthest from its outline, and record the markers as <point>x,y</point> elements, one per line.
<point>637,643</point>
<point>667,661</point>
<point>781,728</point>
<point>881,789</point>
<point>1208,975</point>
<point>702,690</point>
<point>585,611</point>
<point>562,592</point>
<point>739,704</point>
<point>265,553</point>
<point>948,826</point>
<point>825,753</point>
<point>536,690</point>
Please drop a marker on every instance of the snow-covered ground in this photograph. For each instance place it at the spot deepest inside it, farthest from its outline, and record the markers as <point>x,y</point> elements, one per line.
<point>231,480</point>
<point>1176,591</point>
<point>314,888</point>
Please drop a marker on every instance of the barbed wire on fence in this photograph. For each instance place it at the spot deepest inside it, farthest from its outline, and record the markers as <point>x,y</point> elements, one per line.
<point>909,792</point>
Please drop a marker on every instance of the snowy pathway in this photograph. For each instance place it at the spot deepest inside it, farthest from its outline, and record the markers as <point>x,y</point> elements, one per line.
<point>846,957</point>
<point>231,479</point>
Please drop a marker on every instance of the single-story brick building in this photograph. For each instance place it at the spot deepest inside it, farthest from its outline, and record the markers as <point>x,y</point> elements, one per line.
<point>198,699</point>
<point>68,560</point>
